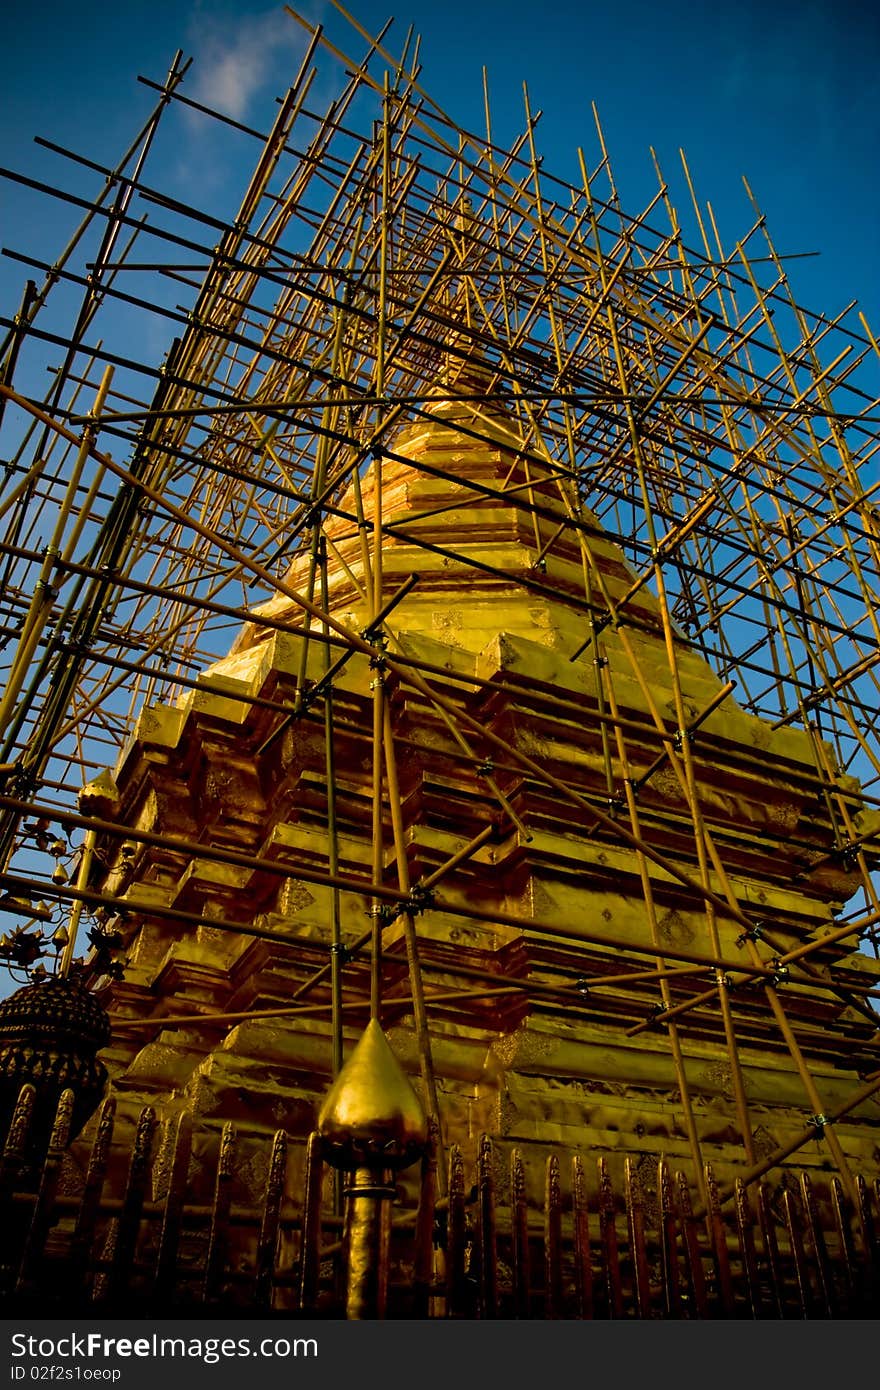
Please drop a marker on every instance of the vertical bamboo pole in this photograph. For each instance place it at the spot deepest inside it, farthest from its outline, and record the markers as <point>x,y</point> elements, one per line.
<point>336,947</point>
<point>377,909</point>
<point>44,593</point>
<point>420,1014</point>
<point>378,681</point>
<point>648,895</point>
<point>636,445</point>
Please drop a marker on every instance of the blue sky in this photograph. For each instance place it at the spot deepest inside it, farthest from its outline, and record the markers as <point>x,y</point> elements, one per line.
<point>784,92</point>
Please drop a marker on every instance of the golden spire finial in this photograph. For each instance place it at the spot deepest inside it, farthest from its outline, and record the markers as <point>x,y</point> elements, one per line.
<point>370,1123</point>
<point>372,1116</point>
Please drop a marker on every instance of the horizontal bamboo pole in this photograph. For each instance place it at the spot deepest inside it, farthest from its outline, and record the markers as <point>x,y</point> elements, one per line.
<point>390,1003</point>
<point>811,1131</point>
<point>131,907</point>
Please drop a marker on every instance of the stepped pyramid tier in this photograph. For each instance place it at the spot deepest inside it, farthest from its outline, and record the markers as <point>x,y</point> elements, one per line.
<point>539,870</point>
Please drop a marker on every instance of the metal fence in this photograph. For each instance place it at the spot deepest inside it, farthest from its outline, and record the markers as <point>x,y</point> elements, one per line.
<point>84,1232</point>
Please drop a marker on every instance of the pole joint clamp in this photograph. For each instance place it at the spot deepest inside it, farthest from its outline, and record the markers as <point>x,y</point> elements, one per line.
<point>780,971</point>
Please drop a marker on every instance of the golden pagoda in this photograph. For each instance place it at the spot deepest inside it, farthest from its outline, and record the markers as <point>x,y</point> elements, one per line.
<point>538,782</point>
<point>562,887</point>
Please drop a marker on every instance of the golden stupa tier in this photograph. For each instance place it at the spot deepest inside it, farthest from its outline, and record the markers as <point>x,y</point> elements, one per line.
<point>490,578</point>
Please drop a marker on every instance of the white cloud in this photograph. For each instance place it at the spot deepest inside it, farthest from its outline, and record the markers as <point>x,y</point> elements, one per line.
<point>237,56</point>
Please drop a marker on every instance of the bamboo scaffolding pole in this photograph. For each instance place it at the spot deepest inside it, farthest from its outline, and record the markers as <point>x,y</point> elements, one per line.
<point>780,1154</point>
<point>242,615</point>
<point>41,605</point>
<point>502,986</point>
<point>378,853</point>
<point>630,787</point>
<point>364,888</point>
<point>140,146</point>
<point>691,788</point>
<point>391,455</point>
<point>336,946</point>
<point>419,1000</point>
<point>716,860</point>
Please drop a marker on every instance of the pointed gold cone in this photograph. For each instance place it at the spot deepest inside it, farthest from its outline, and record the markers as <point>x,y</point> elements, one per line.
<point>371,1116</point>
<point>100,797</point>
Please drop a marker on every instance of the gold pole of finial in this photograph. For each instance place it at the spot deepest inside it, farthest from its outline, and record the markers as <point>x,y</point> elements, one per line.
<point>371,1123</point>
<point>367,1243</point>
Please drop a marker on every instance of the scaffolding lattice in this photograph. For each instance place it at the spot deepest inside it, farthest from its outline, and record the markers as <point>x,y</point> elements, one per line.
<point>669,394</point>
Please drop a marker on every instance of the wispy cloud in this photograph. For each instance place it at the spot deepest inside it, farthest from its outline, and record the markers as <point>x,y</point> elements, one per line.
<point>240,55</point>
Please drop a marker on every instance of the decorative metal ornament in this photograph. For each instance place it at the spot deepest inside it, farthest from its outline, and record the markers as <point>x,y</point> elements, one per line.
<point>371,1123</point>
<point>50,1033</point>
<point>372,1117</point>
